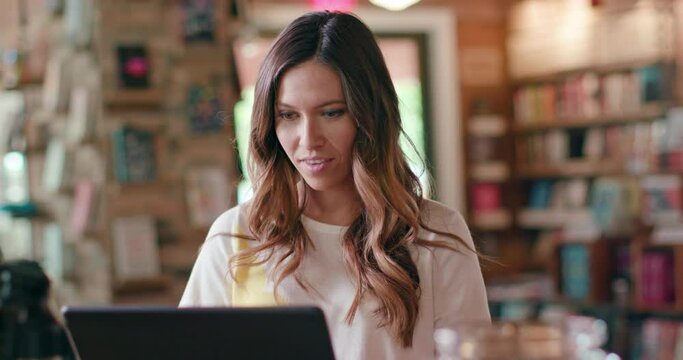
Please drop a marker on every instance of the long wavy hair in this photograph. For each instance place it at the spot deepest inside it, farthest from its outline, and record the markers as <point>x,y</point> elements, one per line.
<point>376,245</point>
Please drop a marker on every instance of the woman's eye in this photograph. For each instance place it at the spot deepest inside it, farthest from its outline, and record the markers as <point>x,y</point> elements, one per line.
<point>334,113</point>
<point>286,115</point>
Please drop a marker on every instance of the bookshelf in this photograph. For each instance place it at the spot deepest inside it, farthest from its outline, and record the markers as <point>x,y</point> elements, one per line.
<point>106,136</point>
<point>596,168</point>
<point>488,168</point>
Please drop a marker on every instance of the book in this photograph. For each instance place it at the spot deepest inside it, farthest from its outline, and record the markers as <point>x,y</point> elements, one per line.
<point>57,171</point>
<point>576,193</point>
<point>82,110</point>
<point>588,90</point>
<point>208,194</point>
<point>78,22</point>
<point>53,260</point>
<point>594,145</point>
<point>673,141</point>
<point>486,197</point>
<point>660,339</point>
<point>56,85</point>
<point>657,279</point>
<point>134,155</point>
<point>631,100</point>
<point>662,201</point>
<point>575,271</point>
<point>94,269</point>
<point>135,248</point>
<point>487,125</point>
<point>576,141</point>
<point>540,194</point>
<point>554,146</point>
<point>608,206</point>
<point>639,158</point>
<point>651,83</point>
<point>483,148</point>
<point>83,207</point>
<point>16,238</point>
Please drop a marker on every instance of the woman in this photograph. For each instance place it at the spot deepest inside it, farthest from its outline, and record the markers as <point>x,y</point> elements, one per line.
<point>338,219</point>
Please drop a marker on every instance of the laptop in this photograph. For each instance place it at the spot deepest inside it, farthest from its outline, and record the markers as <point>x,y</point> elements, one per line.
<point>198,333</point>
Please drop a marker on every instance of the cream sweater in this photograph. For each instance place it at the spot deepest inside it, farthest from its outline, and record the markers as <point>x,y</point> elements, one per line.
<point>452,288</point>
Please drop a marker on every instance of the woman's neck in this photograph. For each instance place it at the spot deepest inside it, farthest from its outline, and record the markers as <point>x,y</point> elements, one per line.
<point>335,207</point>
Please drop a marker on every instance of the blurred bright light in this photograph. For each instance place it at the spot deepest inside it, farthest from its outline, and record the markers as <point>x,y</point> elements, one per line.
<point>14,174</point>
<point>394,5</point>
<point>14,162</point>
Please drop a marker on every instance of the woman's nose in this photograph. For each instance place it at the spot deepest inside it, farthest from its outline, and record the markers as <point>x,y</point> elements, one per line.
<point>311,136</point>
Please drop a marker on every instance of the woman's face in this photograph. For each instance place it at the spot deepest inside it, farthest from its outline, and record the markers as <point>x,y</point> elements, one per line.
<point>314,126</point>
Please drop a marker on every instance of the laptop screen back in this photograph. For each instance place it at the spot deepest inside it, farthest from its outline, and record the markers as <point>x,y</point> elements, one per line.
<point>198,333</point>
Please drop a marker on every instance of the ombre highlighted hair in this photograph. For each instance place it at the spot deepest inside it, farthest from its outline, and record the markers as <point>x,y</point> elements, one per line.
<point>376,245</point>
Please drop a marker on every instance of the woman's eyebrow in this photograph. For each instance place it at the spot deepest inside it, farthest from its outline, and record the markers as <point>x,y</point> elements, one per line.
<point>332,102</point>
<point>326,103</point>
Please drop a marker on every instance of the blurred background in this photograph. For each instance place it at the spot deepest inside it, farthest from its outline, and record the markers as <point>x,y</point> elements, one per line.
<point>552,125</point>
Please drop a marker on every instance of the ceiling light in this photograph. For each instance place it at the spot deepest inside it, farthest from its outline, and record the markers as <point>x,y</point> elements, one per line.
<point>394,5</point>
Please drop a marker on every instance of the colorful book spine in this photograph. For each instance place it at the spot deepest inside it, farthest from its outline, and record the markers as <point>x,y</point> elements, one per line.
<point>575,270</point>
<point>657,279</point>
<point>486,197</point>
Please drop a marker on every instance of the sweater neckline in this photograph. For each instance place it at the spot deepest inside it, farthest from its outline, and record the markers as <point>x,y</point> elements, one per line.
<point>322,227</point>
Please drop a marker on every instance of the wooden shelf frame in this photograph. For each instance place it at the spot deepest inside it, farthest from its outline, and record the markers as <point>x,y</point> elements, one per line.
<point>583,168</point>
<point>599,69</point>
<point>649,112</point>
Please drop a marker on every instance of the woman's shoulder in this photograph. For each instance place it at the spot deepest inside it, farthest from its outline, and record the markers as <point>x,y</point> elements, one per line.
<point>440,217</point>
<point>232,220</point>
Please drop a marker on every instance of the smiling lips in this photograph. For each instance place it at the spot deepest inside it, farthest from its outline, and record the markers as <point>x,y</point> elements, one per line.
<point>316,164</point>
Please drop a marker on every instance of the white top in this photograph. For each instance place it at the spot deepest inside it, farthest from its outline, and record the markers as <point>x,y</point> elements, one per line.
<point>452,287</point>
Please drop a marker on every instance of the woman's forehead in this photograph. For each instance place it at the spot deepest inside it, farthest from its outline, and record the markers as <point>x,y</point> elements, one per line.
<point>309,84</point>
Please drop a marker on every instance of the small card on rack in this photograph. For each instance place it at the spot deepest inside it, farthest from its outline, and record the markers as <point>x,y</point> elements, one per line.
<point>198,21</point>
<point>136,252</point>
<point>133,66</point>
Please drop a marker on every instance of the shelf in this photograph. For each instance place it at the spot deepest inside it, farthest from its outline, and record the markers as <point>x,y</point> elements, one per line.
<point>585,168</point>
<point>599,69</point>
<point>628,309</point>
<point>570,169</point>
<point>492,220</point>
<point>648,112</point>
<point>552,218</point>
<point>151,98</point>
<point>157,283</point>
<point>487,125</point>
<point>494,171</point>
<point>167,296</point>
<point>667,235</point>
